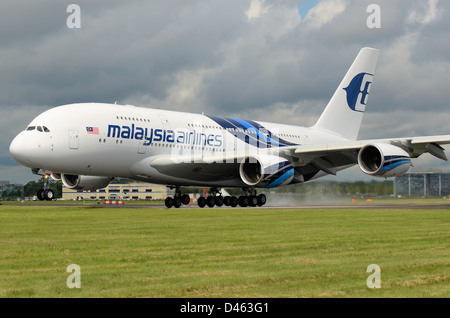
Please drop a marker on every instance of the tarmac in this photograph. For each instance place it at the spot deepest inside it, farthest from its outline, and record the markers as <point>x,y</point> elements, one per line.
<point>399,206</point>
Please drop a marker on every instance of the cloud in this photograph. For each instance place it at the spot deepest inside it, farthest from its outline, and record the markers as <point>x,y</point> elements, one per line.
<point>304,7</point>
<point>257,9</point>
<point>425,15</point>
<point>324,12</point>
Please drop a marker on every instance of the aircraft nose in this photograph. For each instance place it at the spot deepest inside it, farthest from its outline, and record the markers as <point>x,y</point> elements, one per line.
<point>21,151</point>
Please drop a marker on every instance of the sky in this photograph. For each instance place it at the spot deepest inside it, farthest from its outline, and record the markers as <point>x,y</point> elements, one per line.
<point>277,61</point>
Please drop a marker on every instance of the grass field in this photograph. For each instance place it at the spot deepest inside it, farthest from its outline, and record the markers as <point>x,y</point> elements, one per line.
<point>222,252</point>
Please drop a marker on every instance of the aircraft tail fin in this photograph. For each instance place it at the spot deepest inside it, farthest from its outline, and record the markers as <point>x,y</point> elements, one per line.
<point>344,112</point>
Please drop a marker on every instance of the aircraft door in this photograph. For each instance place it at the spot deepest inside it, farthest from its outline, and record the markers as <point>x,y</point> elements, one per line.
<point>142,149</point>
<point>73,139</point>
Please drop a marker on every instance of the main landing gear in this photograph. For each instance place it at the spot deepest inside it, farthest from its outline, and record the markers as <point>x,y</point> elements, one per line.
<point>249,199</point>
<point>46,194</point>
<point>177,200</point>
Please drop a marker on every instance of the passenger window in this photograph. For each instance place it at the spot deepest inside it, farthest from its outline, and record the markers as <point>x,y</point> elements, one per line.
<point>39,128</point>
<point>31,128</point>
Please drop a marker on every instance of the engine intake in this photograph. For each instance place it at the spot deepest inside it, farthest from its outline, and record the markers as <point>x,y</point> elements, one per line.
<point>84,183</point>
<point>56,176</point>
<point>266,171</point>
<point>383,160</point>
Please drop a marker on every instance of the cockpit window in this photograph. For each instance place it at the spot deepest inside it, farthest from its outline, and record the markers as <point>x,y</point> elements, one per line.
<point>39,128</point>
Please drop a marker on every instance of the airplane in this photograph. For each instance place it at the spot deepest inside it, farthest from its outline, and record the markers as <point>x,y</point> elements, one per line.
<point>86,145</point>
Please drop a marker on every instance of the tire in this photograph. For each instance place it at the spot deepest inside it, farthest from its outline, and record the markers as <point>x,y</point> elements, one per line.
<point>233,201</point>
<point>227,200</point>
<point>261,199</point>
<point>168,202</point>
<point>252,201</point>
<point>177,202</point>
<point>48,195</point>
<point>185,199</point>
<point>210,201</point>
<point>201,202</point>
<point>40,195</point>
<point>243,201</point>
<point>218,200</point>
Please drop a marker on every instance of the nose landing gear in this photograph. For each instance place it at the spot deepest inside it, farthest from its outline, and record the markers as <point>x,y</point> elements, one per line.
<point>45,194</point>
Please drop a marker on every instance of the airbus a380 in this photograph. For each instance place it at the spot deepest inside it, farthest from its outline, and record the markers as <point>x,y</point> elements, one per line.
<point>87,145</point>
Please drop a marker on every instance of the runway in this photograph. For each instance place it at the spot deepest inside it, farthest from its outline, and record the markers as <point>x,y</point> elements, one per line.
<point>390,206</point>
<point>325,207</point>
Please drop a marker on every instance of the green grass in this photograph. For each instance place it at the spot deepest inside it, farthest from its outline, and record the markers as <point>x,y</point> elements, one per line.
<point>223,252</point>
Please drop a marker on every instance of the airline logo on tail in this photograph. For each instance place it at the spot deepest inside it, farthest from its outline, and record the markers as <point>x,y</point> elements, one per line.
<point>358,91</point>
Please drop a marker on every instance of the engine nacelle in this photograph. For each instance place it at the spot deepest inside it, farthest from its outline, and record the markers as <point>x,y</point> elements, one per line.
<point>383,160</point>
<point>56,176</point>
<point>266,171</point>
<point>84,183</point>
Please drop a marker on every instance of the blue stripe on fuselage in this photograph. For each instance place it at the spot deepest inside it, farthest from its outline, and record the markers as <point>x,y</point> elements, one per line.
<point>281,179</point>
<point>248,129</point>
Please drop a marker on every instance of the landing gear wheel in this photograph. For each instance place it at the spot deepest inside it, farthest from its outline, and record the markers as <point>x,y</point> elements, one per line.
<point>252,201</point>
<point>168,202</point>
<point>233,201</point>
<point>243,201</point>
<point>48,195</point>
<point>227,200</point>
<point>201,202</point>
<point>261,199</point>
<point>210,201</point>
<point>40,195</point>
<point>185,199</point>
<point>219,200</point>
<point>177,202</point>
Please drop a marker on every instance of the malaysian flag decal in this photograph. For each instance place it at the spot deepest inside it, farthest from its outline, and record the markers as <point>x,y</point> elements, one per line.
<point>92,130</point>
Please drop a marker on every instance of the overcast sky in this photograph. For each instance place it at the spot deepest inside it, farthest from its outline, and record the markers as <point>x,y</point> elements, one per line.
<point>278,61</point>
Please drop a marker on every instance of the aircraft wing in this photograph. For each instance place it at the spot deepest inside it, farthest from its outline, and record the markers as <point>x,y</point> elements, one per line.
<point>329,156</point>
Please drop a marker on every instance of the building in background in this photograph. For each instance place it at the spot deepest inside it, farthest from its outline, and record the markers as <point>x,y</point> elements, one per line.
<point>426,184</point>
<point>119,191</point>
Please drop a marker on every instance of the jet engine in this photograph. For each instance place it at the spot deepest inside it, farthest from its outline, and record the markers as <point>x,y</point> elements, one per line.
<point>56,176</point>
<point>266,171</point>
<point>84,183</point>
<point>383,160</point>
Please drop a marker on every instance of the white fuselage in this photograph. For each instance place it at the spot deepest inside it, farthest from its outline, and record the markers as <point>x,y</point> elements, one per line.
<point>123,141</point>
